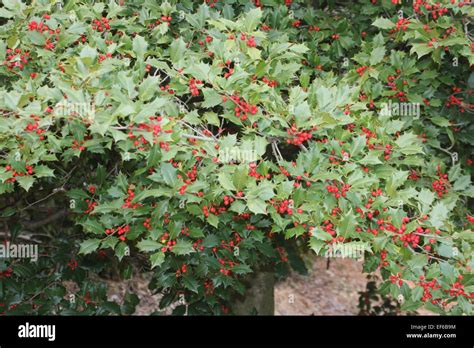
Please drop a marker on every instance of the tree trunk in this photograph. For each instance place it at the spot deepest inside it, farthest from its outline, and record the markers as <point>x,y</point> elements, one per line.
<point>259,298</point>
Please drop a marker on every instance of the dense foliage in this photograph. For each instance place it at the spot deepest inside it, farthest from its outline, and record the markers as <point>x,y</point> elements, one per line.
<point>208,141</point>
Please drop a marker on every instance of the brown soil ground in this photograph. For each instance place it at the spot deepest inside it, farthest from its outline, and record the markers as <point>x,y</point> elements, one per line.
<point>323,291</point>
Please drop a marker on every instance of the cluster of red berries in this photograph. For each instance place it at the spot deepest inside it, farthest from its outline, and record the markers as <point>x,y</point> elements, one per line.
<point>78,146</point>
<point>314,28</point>
<point>90,206</point>
<point>190,174</point>
<point>448,32</point>
<point>387,152</point>
<point>396,279</point>
<point>228,200</point>
<point>120,230</point>
<point>440,185</point>
<point>383,256</point>
<point>197,246</point>
<point>391,82</point>
<point>34,127</point>
<point>164,19</point>
<point>402,24</point>
<point>253,172</point>
<point>410,238</point>
<point>299,137</point>
<point>147,224</point>
<point>154,126</point>
<point>72,264</point>
<point>282,253</point>
<point>209,286</point>
<point>212,3</point>
<point>213,210</point>
<point>242,108</point>
<point>87,298</point>
<point>338,191</point>
<point>328,227</point>
<point>453,100</point>
<point>140,142</point>
<point>100,25</point>
<point>128,201</point>
<point>427,285</point>
<point>6,273</point>
<point>435,10</point>
<point>165,239</point>
<point>41,27</point>
<point>283,207</point>
<point>360,70</point>
<point>369,135</point>
<point>2,306</point>
<point>230,70</point>
<point>16,58</point>
<point>457,289</point>
<point>208,39</point>
<point>268,82</point>
<point>296,23</point>
<point>181,271</point>
<point>470,218</point>
<point>103,57</point>
<point>192,86</point>
<point>422,136</point>
<point>223,270</point>
<point>182,189</point>
<point>166,88</point>
<point>28,171</point>
<point>413,175</point>
<point>250,40</point>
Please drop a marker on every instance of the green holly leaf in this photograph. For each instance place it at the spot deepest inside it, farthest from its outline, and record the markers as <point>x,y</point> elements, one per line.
<point>383,23</point>
<point>377,55</point>
<point>226,181</point>
<point>25,182</point>
<point>168,173</point>
<point>157,259</point>
<point>148,245</point>
<point>140,46</point>
<point>211,98</point>
<point>89,245</point>
<point>257,205</point>
<point>438,215</point>
<point>183,248</point>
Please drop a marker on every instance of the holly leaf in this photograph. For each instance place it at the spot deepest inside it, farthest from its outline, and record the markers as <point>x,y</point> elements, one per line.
<point>183,248</point>
<point>211,98</point>
<point>377,55</point>
<point>383,23</point>
<point>89,245</point>
<point>226,181</point>
<point>139,46</point>
<point>257,205</point>
<point>148,245</point>
<point>157,259</point>
<point>25,182</point>
<point>438,214</point>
